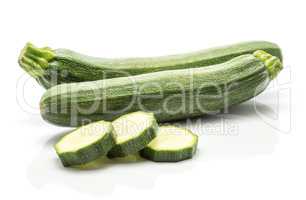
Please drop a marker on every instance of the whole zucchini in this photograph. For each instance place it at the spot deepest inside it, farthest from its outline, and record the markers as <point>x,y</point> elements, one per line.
<point>170,95</point>
<point>55,66</point>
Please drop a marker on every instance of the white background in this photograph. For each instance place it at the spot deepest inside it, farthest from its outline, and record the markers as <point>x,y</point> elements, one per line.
<point>261,157</point>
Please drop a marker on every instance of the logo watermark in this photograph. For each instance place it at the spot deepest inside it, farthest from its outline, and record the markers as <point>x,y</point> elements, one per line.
<point>182,98</point>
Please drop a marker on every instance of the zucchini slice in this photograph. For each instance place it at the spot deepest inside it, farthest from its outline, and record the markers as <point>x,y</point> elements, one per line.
<point>132,132</point>
<point>85,144</point>
<point>171,144</point>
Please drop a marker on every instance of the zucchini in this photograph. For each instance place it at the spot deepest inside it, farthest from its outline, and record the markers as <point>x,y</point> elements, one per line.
<point>171,144</point>
<point>170,95</point>
<point>55,66</point>
<point>85,144</point>
<point>132,133</point>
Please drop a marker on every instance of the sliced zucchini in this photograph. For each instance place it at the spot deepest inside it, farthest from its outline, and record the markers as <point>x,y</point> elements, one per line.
<point>86,143</point>
<point>132,132</point>
<point>171,144</point>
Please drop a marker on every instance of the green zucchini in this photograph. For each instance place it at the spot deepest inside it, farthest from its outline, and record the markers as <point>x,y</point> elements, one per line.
<point>55,66</point>
<point>85,144</point>
<point>132,133</point>
<point>170,95</point>
<point>171,144</point>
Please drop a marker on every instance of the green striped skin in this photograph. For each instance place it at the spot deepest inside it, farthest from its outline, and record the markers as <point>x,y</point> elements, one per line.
<point>134,145</point>
<point>89,153</point>
<point>163,154</point>
<point>171,95</point>
<point>51,67</point>
<point>151,152</point>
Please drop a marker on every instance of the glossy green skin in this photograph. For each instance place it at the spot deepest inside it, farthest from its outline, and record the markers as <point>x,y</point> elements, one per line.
<point>134,145</point>
<point>89,153</point>
<point>246,75</point>
<point>68,66</point>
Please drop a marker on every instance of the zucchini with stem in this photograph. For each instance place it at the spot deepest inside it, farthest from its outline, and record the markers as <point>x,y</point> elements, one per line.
<point>170,95</point>
<point>55,66</point>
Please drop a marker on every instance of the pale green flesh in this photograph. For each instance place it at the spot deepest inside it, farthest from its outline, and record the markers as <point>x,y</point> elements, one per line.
<point>171,138</point>
<point>83,137</point>
<point>131,126</point>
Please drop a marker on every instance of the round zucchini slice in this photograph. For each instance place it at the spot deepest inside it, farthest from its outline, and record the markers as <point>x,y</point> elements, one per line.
<point>132,132</point>
<point>171,144</point>
<point>85,144</point>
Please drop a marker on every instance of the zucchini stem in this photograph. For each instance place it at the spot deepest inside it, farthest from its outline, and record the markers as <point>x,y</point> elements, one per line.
<point>35,60</point>
<point>272,63</point>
